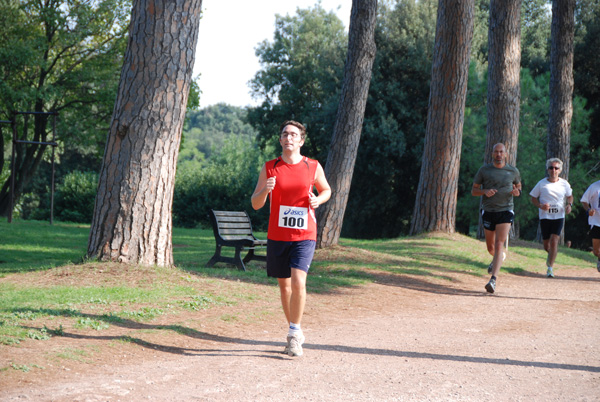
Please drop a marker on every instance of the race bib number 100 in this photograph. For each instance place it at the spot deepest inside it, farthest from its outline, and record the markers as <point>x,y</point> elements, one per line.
<point>293,217</point>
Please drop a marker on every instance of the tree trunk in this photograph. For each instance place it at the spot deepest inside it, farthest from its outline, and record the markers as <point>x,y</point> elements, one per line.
<point>349,120</point>
<point>561,88</point>
<point>132,215</point>
<point>561,82</point>
<point>435,204</point>
<point>504,89</point>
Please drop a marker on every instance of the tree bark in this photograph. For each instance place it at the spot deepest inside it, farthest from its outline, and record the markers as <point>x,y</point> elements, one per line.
<point>504,89</point>
<point>561,89</point>
<point>561,82</point>
<point>132,215</point>
<point>435,204</point>
<point>349,120</point>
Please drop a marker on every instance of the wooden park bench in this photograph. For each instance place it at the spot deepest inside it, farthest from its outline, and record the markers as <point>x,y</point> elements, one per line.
<point>234,229</point>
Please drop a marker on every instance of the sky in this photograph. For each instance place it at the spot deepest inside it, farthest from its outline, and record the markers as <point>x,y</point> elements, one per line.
<point>230,30</point>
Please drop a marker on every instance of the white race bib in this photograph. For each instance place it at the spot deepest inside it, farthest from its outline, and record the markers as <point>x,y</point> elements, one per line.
<point>555,209</point>
<point>293,217</point>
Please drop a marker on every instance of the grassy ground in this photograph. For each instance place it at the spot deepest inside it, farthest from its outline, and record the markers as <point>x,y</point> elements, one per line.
<point>45,285</point>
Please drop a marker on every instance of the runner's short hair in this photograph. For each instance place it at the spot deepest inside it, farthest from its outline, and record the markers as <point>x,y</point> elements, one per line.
<point>294,123</point>
<point>554,160</point>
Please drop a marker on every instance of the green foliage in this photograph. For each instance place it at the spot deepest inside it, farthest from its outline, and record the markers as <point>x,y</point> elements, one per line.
<point>194,96</point>
<point>62,56</point>
<point>536,20</point>
<point>586,65</point>
<point>535,35</point>
<point>206,131</point>
<point>225,182</point>
<point>300,79</point>
<point>73,200</point>
<point>387,169</point>
<point>479,43</point>
<point>75,197</point>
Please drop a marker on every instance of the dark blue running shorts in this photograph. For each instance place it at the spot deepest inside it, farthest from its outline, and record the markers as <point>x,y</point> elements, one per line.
<point>282,256</point>
<point>491,219</point>
<point>595,232</point>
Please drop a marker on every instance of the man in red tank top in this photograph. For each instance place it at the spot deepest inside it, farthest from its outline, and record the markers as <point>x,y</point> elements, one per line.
<point>288,181</point>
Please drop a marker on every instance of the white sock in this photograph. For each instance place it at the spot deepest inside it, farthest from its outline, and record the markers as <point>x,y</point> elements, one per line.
<point>294,329</point>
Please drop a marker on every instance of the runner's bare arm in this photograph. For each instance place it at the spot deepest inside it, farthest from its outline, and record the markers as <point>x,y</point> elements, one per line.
<point>263,187</point>
<point>323,188</point>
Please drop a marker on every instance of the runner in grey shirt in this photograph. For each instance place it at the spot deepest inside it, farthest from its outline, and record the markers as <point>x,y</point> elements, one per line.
<point>497,183</point>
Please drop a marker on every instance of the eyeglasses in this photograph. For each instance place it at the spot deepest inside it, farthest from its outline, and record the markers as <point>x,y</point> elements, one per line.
<point>553,168</point>
<point>286,135</point>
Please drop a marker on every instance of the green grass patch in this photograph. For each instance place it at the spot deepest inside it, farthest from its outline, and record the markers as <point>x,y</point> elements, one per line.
<point>40,335</point>
<point>141,315</point>
<point>34,245</point>
<point>20,367</point>
<point>202,302</point>
<point>87,322</point>
<point>74,354</point>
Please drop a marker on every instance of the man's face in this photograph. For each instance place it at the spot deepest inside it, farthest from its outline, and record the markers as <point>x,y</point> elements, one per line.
<point>290,138</point>
<point>499,154</point>
<point>554,170</point>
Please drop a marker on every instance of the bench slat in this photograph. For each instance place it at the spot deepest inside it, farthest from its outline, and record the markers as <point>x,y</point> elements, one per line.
<point>239,213</point>
<point>236,225</point>
<point>236,233</point>
<point>233,219</point>
<point>238,237</point>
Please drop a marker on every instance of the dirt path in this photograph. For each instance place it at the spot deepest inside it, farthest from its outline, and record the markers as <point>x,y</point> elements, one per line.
<point>404,339</point>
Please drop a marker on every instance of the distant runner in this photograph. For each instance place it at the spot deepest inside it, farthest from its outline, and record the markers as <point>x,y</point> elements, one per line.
<point>497,183</point>
<point>553,196</point>
<point>591,202</point>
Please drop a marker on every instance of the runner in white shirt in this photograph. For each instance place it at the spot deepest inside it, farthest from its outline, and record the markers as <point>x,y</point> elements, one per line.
<point>553,196</point>
<point>591,202</point>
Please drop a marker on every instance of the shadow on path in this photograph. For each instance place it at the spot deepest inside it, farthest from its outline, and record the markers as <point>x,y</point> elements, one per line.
<point>276,353</point>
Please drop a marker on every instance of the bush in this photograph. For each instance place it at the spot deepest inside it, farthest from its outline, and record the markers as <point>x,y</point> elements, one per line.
<point>225,182</point>
<point>75,197</point>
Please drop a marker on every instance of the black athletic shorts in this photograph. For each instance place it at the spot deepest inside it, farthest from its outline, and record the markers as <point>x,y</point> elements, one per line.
<point>282,256</point>
<point>491,219</point>
<point>595,232</point>
<point>551,227</point>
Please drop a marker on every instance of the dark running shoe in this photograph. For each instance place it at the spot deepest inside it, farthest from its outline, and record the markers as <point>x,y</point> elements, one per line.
<point>490,267</point>
<point>491,286</point>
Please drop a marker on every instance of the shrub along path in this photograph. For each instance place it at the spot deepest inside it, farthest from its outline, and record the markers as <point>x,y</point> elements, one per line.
<point>400,338</point>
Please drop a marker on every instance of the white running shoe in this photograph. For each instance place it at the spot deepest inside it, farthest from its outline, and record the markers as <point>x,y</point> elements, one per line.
<point>549,273</point>
<point>295,344</point>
